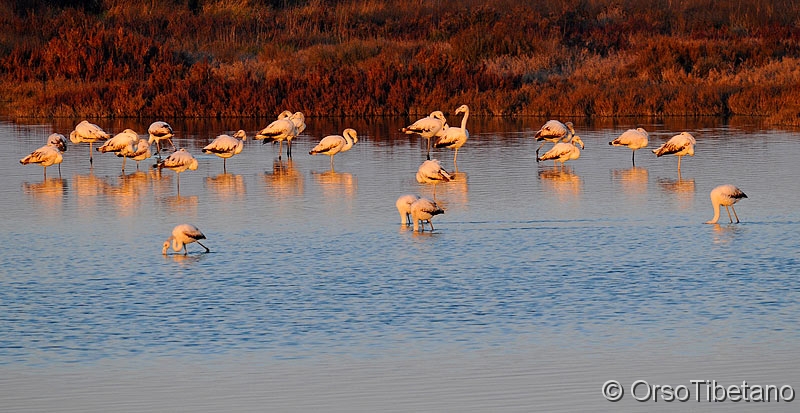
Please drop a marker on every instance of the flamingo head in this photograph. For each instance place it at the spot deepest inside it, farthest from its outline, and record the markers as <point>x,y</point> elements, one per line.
<point>576,140</point>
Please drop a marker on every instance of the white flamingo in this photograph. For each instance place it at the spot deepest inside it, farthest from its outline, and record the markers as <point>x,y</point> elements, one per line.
<point>403,205</point>
<point>282,129</point>
<point>333,144</point>
<point>46,155</point>
<point>427,127</point>
<point>57,141</point>
<point>454,138</point>
<point>182,235</point>
<point>90,133</point>
<point>424,209</point>
<point>431,172</point>
<point>678,145</point>
<point>725,195</point>
<point>564,151</point>
<point>299,121</point>
<point>119,142</point>
<point>633,139</point>
<point>225,146</point>
<point>554,131</point>
<point>160,131</point>
<point>179,161</point>
<point>139,152</point>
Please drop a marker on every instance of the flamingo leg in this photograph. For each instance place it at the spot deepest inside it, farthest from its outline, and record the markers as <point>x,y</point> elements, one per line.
<point>45,172</point>
<point>729,214</point>
<point>679,164</point>
<point>289,148</point>
<point>178,175</point>
<point>429,149</point>
<point>280,149</point>
<point>207,250</point>
<point>734,214</point>
<point>91,149</point>
<point>224,165</point>
<point>172,144</point>
<point>124,158</point>
<point>331,163</point>
<point>633,158</point>
<point>455,164</point>
<point>431,224</point>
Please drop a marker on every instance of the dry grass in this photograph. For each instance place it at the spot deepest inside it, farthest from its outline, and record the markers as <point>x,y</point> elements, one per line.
<point>219,58</point>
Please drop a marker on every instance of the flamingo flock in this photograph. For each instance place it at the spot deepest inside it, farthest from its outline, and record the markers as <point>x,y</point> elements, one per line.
<point>413,209</point>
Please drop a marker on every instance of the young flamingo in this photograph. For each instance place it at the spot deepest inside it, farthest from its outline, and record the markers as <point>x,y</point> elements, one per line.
<point>182,235</point>
<point>725,195</point>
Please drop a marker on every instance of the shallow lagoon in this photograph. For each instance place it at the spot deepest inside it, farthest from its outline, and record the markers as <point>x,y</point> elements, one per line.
<point>537,286</point>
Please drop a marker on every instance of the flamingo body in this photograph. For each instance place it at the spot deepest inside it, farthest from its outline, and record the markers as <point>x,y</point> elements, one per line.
<point>424,209</point>
<point>89,133</point>
<point>182,235</point>
<point>431,172</point>
<point>46,156</point>
<point>725,195</point>
<point>678,145</point>
<point>454,138</point>
<point>160,131</point>
<point>333,144</point>
<point>139,152</point>
<point>403,205</point>
<point>427,127</point>
<point>225,146</point>
<point>564,151</point>
<point>632,138</point>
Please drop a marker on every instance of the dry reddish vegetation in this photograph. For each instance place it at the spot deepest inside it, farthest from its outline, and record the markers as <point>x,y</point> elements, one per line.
<point>593,58</point>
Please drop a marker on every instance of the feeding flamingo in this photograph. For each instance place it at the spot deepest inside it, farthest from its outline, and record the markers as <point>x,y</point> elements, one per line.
<point>424,209</point>
<point>725,195</point>
<point>182,235</point>
<point>403,205</point>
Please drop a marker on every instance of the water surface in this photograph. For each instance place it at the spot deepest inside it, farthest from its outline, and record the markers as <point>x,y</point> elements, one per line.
<point>538,284</point>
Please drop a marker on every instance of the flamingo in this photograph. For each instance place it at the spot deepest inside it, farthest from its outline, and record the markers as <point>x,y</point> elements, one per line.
<point>454,138</point>
<point>281,129</point>
<point>427,127</point>
<point>333,144</point>
<point>431,172</point>
<point>182,235</point>
<point>554,131</point>
<point>179,161</point>
<point>160,131</point>
<point>299,121</point>
<point>88,132</point>
<point>725,195</point>
<point>424,209</point>
<point>678,145</point>
<point>225,146</point>
<point>119,142</point>
<point>564,151</point>
<point>403,205</point>
<point>633,139</point>
<point>46,155</point>
<point>137,153</point>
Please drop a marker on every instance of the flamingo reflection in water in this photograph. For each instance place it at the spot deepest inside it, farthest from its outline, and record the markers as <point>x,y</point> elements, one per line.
<point>284,180</point>
<point>226,186</point>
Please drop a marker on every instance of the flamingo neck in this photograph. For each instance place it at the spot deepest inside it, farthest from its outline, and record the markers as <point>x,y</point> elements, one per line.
<point>464,120</point>
<point>716,214</point>
<point>177,245</point>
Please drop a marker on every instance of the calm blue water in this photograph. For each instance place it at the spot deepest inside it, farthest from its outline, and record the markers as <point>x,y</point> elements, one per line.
<point>311,268</point>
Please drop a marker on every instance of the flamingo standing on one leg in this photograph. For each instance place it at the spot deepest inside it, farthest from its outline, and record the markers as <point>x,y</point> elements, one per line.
<point>182,235</point>
<point>678,145</point>
<point>333,144</point>
<point>160,131</point>
<point>633,139</point>
<point>431,172</point>
<point>225,146</point>
<point>179,161</point>
<point>120,142</point>
<point>427,128</point>
<point>403,205</point>
<point>299,121</point>
<point>59,142</point>
<point>554,131</point>
<point>422,210</point>
<point>725,195</point>
<point>455,138</point>
<point>88,132</point>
